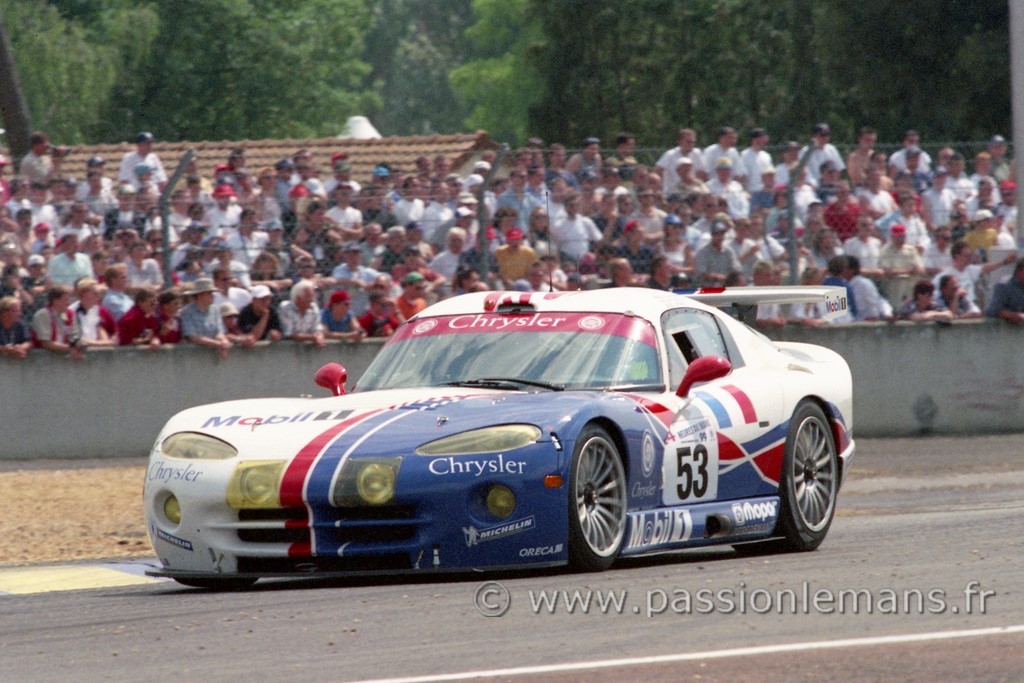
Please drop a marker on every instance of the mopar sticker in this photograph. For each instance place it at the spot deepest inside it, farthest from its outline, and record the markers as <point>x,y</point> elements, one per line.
<point>476,536</point>
<point>751,512</point>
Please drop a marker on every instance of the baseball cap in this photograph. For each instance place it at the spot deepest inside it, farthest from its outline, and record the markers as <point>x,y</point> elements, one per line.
<point>463,212</point>
<point>227,308</point>
<point>898,229</point>
<point>261,292</point>
<point>95,161</point>
<point>412,278</point>
<point>996,140</point>
<point>514,234</point>
<point>144,136</point>
<point>225,190</point>
<point>340,295</point>
<point>631,226</point>
<point>719,227</point>
<point>35,260</point>
<point>285,164</point>
<point>983,215</point>
<point>723,162</point>
<point>821,129</point>
<point>143,169</point>
<point>352,246</point>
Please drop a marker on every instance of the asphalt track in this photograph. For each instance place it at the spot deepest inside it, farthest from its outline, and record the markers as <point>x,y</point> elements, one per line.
<point>920,579</point>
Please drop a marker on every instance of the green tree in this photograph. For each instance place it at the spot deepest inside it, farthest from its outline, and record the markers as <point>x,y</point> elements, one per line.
<point>251,69</point>
<point>70,65</point>
<point>651,67</point>
<point>937,66</point>
<point>499,80</point>
<point>411,48</point>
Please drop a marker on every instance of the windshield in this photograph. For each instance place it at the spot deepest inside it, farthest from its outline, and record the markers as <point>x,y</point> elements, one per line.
<point>541,350</point>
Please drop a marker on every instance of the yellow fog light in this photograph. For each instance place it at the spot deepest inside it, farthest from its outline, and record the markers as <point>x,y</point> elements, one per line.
<point>256,484</point>
<point>501,502</point>
<point>172,509</point>
<point>376,483</point>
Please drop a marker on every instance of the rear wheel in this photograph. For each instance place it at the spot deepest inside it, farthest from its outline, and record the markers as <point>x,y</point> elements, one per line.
<point>597,502</point>
<point>810,480</point>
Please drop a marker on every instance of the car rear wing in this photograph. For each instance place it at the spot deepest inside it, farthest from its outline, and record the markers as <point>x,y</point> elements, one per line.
<point>745,299</point>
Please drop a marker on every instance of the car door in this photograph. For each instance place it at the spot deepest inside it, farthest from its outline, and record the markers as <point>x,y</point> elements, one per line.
<point>726,440</point>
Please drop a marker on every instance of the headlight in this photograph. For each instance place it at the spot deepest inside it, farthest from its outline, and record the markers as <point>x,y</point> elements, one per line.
<point>193,446</point>
<point>256,484</point>
<point>487,440</point>
<point>366,481</point>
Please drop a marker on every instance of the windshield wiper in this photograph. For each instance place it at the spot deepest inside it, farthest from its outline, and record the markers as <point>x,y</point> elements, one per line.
<point>505,383</point>
<point>636,387</point>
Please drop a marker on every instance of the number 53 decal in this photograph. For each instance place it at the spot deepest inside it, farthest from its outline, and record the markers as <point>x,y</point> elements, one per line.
<point>691,472</point>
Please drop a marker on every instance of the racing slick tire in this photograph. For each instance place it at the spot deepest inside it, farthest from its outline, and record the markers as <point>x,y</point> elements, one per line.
<point>810,480</point>
<point>597,501</point>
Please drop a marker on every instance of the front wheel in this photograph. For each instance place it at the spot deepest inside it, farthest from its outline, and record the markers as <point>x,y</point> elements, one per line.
<point>597,502</point>
<point>810,480</point>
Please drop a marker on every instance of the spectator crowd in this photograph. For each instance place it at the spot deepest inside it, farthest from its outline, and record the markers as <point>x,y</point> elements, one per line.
<point>304,251</point>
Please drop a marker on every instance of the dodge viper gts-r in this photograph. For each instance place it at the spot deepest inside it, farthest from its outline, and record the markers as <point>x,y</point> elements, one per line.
<point>505,429</point>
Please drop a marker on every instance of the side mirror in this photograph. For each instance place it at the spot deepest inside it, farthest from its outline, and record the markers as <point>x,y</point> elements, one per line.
<point>704,369</point>
<point>332,377</point>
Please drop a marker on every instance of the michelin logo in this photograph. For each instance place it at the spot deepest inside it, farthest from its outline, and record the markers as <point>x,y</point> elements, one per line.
<point>476,536</point>
<point>754,512</point>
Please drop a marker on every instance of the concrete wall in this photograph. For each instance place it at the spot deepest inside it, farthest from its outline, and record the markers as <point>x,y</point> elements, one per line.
<point>914,378</point>
<point>908,379</point>
<point>114,402</point>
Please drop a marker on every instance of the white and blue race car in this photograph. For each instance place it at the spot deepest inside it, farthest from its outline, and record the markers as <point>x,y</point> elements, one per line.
<point>505,429</point>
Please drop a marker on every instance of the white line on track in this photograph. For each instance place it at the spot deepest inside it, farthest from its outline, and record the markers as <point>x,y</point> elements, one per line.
<point>712,654</point>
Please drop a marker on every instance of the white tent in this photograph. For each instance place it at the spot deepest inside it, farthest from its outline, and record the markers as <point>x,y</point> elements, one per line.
<point>359,127</point>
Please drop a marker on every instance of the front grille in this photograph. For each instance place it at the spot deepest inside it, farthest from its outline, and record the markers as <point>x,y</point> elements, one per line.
<point>358,524</point>
<point>295,528</point>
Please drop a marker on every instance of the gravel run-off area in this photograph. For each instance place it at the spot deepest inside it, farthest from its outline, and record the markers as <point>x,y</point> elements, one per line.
<point>77,513</point>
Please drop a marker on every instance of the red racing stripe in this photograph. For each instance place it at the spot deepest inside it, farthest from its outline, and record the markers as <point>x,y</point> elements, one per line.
<point>770,461</point>
<point>664,414</point>
<point>729,449</point>
<point>295,475</point>
<point>749,414</point>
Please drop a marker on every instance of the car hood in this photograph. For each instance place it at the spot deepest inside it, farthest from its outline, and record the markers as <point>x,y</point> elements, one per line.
<point>405,418</point>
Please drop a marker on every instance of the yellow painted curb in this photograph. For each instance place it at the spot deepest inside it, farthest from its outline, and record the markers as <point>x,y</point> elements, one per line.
<point>27,580</point>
